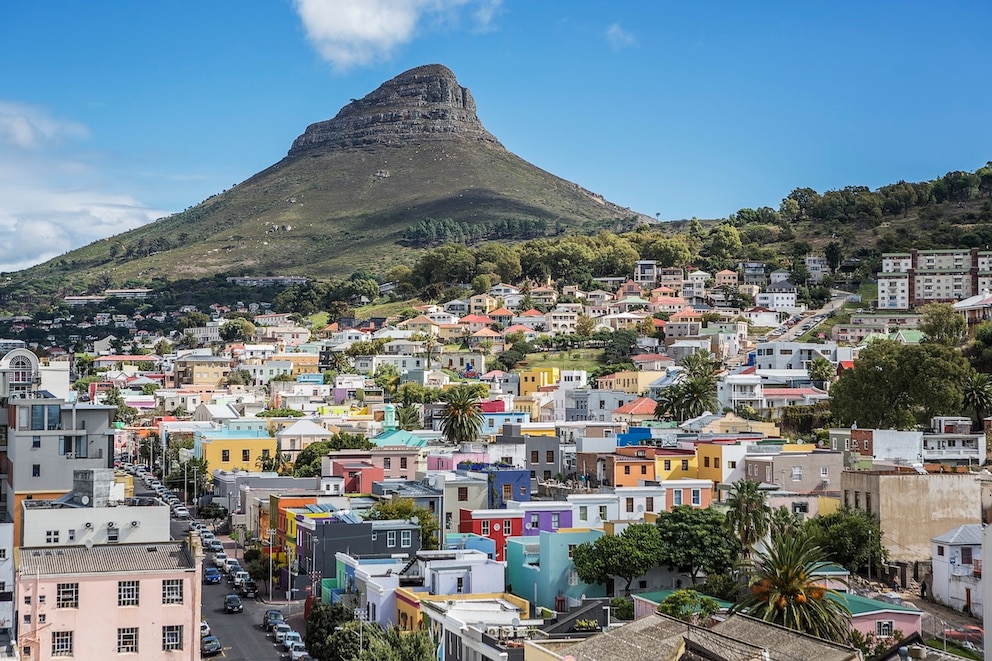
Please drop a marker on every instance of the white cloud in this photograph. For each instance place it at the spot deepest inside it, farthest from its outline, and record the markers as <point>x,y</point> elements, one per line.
<point>351,33</point>
<point>619,38</point>
<point>52,199</point>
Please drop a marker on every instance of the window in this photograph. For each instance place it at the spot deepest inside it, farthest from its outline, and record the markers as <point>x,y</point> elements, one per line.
<point>3,554</point>
<point>857,500</point>
<point>867,501</point>
<point>626,470</point>
<point>447,520</point>
<point>523,489</point>
<point>534,456</point>
<point>547,475</point>
<point>68,595</point>
<point>668,464</point>
<point>387,463</point>
<point>27,618</point>
<point>172,591</point>
<point>71,536</point>
<point>966,554</point>
<point>797,473</point>
<point>573,577</point>
<point>507,491</point>
<point>246,455</point>
<point>127,593</point>
<point>883,628</point>
<point>583,512</point>
<point>462,494</point>
<point>36,470</point>
<point>27,597</point>
<point>406,538</point>
<point>225,455</point>
<point>403,461</point>
<point>556,520</point>
<point>644,470</point>
<point>172,637</point>
<point>507,527</point>
<point>61,643</point>
<point>685,464</point>
<point>696,497</point>
<point>677,497</point>
<point>42,618</point>
<point>127,640</point>
<point>535,519</point>
<point>630,504</point>
<point>36,441</point>
<point>824,472</point>
<point>649,503</point>
<point>731,464</point>
<point>265,453</point>
<point>460,585</point>
<point>602,512</point>
<point>485,527</point>
<point>706,462</point>
<point>550,457</point>
<point>51,536</point>
<point>571,550</point>
<point>390,538</point>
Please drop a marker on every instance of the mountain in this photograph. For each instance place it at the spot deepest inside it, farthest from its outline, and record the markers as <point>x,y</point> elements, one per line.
<point>342,198</point>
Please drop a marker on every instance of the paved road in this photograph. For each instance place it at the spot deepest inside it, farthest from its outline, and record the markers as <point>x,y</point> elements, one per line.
<point>239,633</point>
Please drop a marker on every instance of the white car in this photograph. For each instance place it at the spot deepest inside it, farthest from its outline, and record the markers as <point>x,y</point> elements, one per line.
<point>228,563</point>
<point>291,638</point>
<point>181,512</point>
<point>204,629</point>
<point>240,577</point>
<point>280,630</point>
<point>220,559</point>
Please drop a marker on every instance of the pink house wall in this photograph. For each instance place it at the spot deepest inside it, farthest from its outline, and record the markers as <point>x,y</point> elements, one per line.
<point>95,622</point>
<point>907,623</point>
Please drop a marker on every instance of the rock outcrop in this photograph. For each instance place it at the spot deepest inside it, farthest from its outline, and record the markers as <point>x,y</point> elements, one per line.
<point>424,103</point>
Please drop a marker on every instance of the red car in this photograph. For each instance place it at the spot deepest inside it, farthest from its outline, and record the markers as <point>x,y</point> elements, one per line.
<point>970,633</point>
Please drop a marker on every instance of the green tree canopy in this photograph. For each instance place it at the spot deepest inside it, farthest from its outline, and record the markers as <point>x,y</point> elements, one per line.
<point>852,538</point>
<point>748,514</point>
<point>942,324</point>
<point>405,509</point>
<point>237,330</point>
<point>695,541</point>
<point>632,553</point>
<point>689,606</point>
<point>462,416</point>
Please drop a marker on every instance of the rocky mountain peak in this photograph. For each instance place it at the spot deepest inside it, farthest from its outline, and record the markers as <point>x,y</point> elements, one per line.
<point>424,103</point>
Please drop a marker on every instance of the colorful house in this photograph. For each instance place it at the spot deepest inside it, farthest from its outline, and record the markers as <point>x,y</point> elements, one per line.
<point>543,570</point>
<point>532,380</point>
<point>231,450</point>
<point>543,515</point>
<point>497,525</point>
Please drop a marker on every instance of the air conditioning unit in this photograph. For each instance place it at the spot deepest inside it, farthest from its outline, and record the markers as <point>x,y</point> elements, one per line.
<point>135,523</point>
<point>70,455</point>
<point>111,524</point>
<point>492,631</point>
<point>87,525</point>
<point>507,632</point>
<point>521,631</point>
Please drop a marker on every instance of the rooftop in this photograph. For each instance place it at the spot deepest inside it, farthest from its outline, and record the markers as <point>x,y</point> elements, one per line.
<point>105,558</point>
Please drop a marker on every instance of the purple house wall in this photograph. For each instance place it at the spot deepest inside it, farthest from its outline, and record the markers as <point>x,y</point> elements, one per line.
<point>546,519</point>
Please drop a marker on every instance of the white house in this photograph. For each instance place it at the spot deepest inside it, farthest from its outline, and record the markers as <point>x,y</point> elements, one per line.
<point>957,568</point>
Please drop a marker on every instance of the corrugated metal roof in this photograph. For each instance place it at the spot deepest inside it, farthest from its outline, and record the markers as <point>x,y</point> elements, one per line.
<point>970,534</point>
<point>110,558</point>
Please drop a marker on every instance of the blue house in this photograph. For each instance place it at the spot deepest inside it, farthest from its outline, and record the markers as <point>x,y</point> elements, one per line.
<point>542,570</point>
<point>457,541</point>
<point>506,483</point>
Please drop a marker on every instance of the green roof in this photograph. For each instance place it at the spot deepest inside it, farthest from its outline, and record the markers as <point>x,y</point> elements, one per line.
<point>399,437</point>
<point>863,605</point>
<point>659,596</point>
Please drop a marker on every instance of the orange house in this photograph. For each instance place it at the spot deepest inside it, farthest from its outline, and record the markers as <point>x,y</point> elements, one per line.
<point>626,471</point>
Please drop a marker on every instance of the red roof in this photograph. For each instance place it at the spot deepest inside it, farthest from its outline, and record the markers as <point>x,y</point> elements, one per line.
<point>518,328</point>
<point>791,392</point>
<point>647,357</point>
<point>640,406</point>
<point>846,364</point>
<point>502,312</point>
<point>532,313</point>
<point>475,319</point>
<point>495,406</point>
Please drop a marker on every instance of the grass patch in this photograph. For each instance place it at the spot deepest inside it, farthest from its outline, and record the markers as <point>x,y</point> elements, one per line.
<point>869,293</point>
<point>577,359</point>
<point>318,320</point>
<point>825,328</point>
<point>385,309</point>
<point>952,646</point>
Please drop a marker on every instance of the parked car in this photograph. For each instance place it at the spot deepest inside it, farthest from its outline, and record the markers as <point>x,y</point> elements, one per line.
<point>249,589</point>
<point>290,638</point>
<point>280,630</point>
<point>214,546</point>
<point>233,569</point>
<point>210,646</point>
<point>298,651</point>
<point>211,575</point>
<point>227,564</point>
<point>971,633</point>
<point>220,559</point>
<point>240,577</point>
<point>232,604</point>
<point>181,512</point>
<point>271,618</point>
<point>204,629</point>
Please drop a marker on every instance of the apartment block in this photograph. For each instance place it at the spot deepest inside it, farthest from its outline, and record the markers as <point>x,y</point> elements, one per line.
<point>918,277</point>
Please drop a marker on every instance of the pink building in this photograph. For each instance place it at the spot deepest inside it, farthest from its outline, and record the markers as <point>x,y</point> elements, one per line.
<point>358,475</point>
<point>108,600</point>
<point>397,462</point>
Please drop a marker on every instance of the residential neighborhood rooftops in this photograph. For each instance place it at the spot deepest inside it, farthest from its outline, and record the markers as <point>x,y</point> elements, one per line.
<point>105,558</point>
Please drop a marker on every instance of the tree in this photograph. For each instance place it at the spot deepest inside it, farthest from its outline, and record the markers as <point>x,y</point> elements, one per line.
<point>632,553</point>
<point>834,256</point>
<point>821,371</point>
<point>784,590</point>
<point>697,396</point>
<point>125,413</point>
<point>784,523</point>
<point>942,324</point>
<point>322,623</point>
<point>308,460</point>
<point>852,538</point>
<point>689,606</point>
<point>408,417</point>
<point>695,541</point>
<point>405,510</point>
<point>979,350</point>
<point>237,330</point>
<point>213,511</point>
<point>977,395</point>
<point>461,419</point>
<point>748,514</point>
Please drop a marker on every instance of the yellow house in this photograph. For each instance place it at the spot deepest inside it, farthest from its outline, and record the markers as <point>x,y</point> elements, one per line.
<point>634,382</point>
<point>303,363</point>
<point>409,616</point>
<point>535,378</point>
<point>675,465</point>
<point>732,423</point>
<point>237,450</point>
<point>717,461</point>
<point>531,405</point>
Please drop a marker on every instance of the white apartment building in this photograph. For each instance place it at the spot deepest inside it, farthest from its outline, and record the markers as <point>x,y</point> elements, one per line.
<point>917,277</point>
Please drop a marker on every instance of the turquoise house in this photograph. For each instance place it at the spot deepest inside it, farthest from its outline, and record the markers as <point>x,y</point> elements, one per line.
<point>541,570</point>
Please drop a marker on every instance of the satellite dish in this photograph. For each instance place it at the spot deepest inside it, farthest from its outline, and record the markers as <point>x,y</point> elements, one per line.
<point>88,543</point>
<point>515,621</point>
<point>85,500</point>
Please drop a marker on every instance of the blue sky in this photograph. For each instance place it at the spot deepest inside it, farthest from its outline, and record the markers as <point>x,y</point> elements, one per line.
<point>115,114</point>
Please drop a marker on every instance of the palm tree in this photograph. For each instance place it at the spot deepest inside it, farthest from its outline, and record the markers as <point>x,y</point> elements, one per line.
<point>698,395</point>
<point>783,522</point>
<point>977,391</point>
<point>748,514</point>
<point>407,417</point>
<point>668,403</point>
<point>462,416</point>
<point>700,364</point>
<point>784,590</point>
